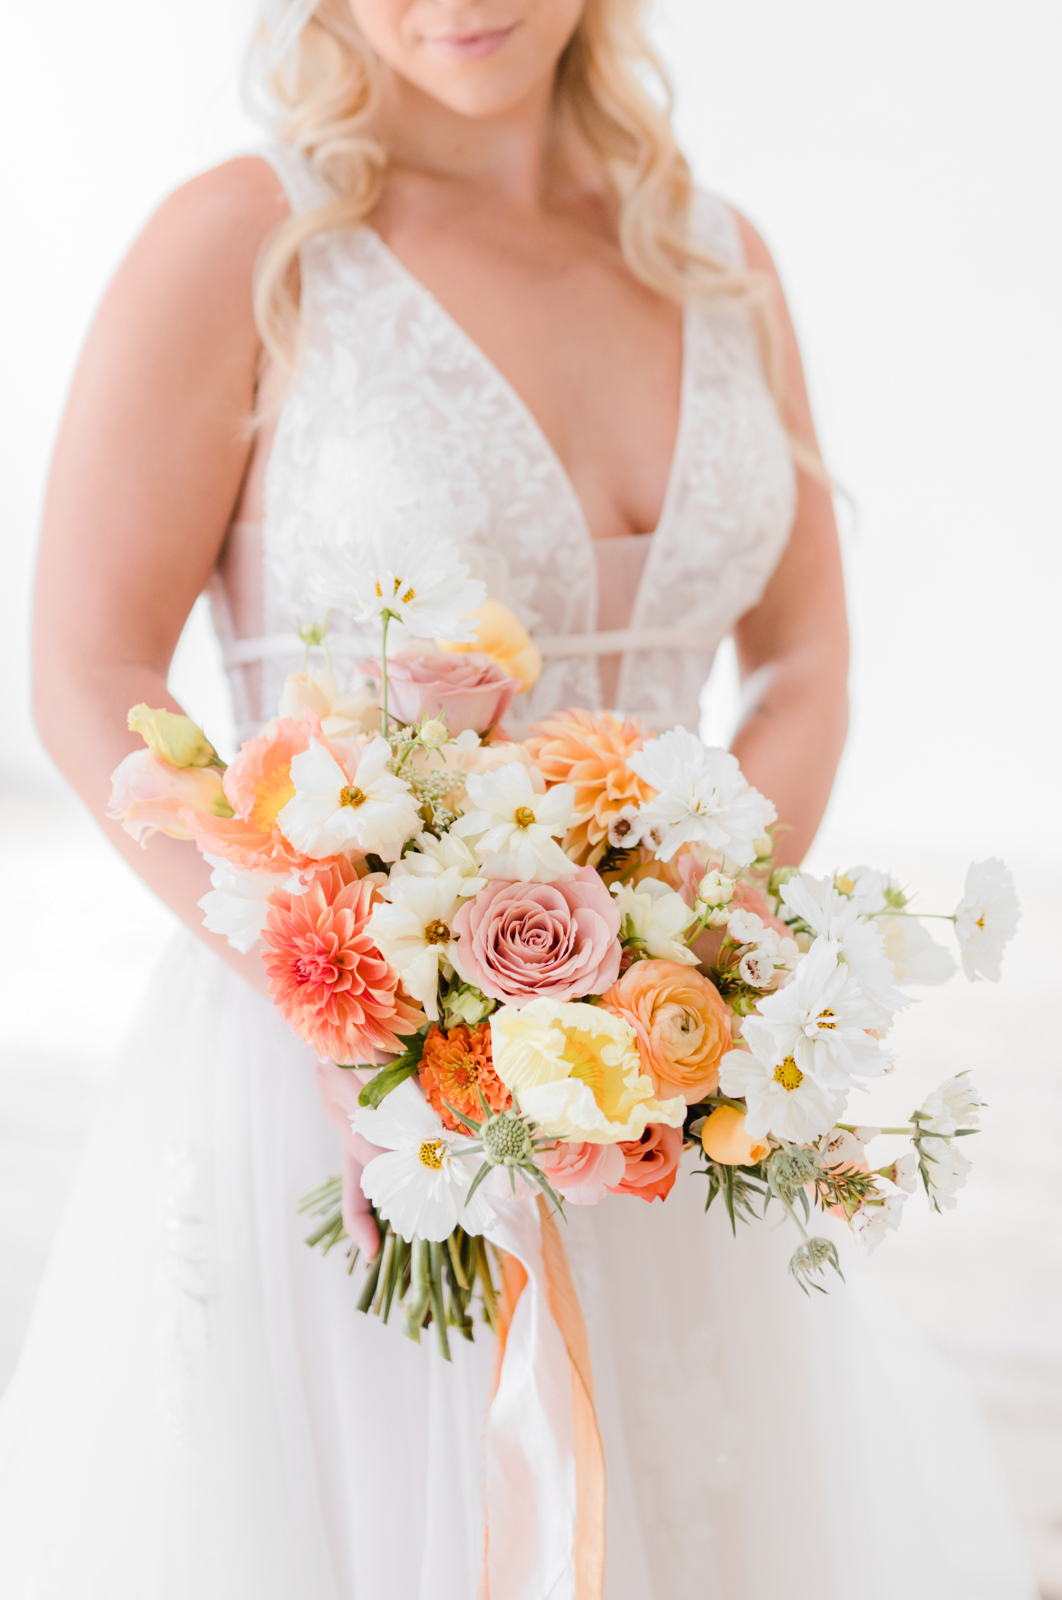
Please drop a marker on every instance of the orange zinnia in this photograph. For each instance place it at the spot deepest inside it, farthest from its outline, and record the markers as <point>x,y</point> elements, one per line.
<point>456,1065</point>
<point>589,749</point>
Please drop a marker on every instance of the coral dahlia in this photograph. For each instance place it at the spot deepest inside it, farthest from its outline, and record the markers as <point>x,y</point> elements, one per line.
<point>456,1066</point>
<point>589,750</point>
<point>327,976</point>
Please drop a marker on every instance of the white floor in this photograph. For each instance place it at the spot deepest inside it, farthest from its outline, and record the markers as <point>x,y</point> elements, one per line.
<point>79,936</point>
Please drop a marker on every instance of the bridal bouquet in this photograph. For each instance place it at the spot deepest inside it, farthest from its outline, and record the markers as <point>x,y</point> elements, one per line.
<point>546,968</point>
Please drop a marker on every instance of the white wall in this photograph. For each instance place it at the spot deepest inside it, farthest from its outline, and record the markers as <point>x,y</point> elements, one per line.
<point>903,162</point>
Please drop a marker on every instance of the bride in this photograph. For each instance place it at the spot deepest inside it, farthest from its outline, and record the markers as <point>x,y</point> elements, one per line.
<point>471,284</point>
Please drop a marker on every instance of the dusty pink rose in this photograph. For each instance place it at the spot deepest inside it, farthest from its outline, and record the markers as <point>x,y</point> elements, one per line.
<point>583,1173</point>
<point>532,941</point>
<point>651,1163</point>
<point>470,691</point>
<point>148,795</point>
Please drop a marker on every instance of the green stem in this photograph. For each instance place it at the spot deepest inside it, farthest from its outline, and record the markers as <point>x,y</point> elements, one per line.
<point>850,1127</point>
<point>385,727</point>
<point>918,916</point>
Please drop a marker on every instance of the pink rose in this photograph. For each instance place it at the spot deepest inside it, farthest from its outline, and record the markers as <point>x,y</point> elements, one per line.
<point>530,941</point>
<point>470,691</point>
<point>148,795</point>
<point>583,1173</point>
<point>651,1163</point>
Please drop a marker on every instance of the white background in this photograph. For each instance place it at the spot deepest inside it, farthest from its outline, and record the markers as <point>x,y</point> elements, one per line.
<point>903,162</point>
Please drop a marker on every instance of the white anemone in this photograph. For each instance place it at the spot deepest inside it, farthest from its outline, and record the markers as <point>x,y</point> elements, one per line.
<point>702,795</point>
<point>420,1182</point>
<point>331,813</point>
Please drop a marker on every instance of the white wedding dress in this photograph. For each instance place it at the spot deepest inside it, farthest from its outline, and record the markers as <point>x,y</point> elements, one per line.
<point>200,1412</point>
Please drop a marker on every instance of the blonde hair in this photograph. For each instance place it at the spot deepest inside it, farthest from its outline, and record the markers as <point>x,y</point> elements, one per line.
<point>325,92</point>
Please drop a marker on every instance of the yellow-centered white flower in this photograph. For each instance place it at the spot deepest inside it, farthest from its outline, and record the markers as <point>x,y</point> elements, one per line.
<point>331,813</point>
<point>513,830</point>
<point>833,916</point>
<point>702,796</point>
<point>420,1182</point>
<point>413,930</point>
<point>986,919</point>
<point>418,578</point>
<point>820,1020</point>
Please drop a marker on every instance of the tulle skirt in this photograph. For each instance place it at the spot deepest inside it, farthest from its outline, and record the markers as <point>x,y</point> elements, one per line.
<point>201,1411</point>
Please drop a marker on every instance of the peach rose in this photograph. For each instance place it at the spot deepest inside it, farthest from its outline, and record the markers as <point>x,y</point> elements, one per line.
<point>682,1024</point>
<point>724,1139</point>
<point>582,1172</point>
<point>651,1162</point>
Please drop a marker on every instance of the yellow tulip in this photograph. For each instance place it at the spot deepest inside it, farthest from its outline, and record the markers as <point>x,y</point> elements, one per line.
<point>503,638</point>
<point>724,1139</point>
<point>175,738</point>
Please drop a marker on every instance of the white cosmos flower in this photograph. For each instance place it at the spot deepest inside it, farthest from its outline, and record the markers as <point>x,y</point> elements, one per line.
<point>238,904</point>
<point>433,856</point>
<point>420,1183</point>
<point>878,1216</point>
<point>986,919</point>
<point>413,930</point>
<point>417,577</point>
<point>658,917</point>
<point>781,1099</point>
<point>702,795</point>
<point>954,1105</point>
<point>331,813</point>
<point>915,956</point>
<point>513,829</point>
<point>831,915</point>
<point>820,1019</point>
<point>945,1170</point>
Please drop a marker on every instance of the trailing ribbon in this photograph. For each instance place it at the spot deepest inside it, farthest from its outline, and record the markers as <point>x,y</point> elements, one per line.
<point>545,1466</point>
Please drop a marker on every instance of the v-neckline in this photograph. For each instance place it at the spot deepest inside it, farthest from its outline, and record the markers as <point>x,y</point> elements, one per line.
<point>531,422</point>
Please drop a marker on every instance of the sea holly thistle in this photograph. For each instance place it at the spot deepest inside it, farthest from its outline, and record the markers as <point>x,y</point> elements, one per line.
<point>811,1257</point>
<point>506,1139</point>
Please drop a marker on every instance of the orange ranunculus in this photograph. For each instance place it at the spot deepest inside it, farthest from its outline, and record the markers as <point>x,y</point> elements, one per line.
<point>682,1024</point>
<point>456,1065</point>
<point>589,750</point>
<point>724,1139</point>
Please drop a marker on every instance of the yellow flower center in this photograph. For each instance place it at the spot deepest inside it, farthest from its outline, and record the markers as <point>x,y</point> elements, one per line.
<point>788,1075</point>
<point>351,797</point>
<point>430,1154</point>
<point>271,795</point>
<point>980,923</point>
<point>524,817</point>
<point>437,932</point>
<point>822,1018</point>
<point>845,885</point>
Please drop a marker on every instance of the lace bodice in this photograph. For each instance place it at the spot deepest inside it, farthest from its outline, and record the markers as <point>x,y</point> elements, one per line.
<point>397,414</point>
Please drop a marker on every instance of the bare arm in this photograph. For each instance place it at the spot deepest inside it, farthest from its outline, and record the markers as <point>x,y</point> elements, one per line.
<point>795,641</point>
<point>148,466</point>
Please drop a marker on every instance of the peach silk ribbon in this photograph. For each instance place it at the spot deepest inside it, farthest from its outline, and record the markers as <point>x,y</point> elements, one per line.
<point>545,1465</point>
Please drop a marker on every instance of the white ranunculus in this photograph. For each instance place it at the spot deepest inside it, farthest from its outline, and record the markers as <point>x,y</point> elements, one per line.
<point>418,577</point>
<point>658,917</point>
<point>238,904</point>
<point>371,811</point>
<point>878,1216</point>
<point>916,957</point>
<point>432,856</point>
<point>702,795</point>
<point>420,1182</point>
<point>986,919</point>
<point>514,830</point>
<point>832,915</point>
<point>413,930</point>
<point>954,1105</point>
<point>781,1099</point>
<point>945,1170</point>
<point>820,1018</point>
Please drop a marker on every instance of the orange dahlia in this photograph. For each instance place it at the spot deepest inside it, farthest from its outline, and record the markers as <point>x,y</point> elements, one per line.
<point>589,750</point>
<point>327,977</point>
<point>456,1065</point>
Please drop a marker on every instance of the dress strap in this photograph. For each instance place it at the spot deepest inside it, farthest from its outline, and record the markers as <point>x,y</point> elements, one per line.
<point>305,191</point>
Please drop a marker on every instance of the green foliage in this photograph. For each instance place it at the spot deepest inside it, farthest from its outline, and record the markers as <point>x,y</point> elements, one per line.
<point>379,1087</point>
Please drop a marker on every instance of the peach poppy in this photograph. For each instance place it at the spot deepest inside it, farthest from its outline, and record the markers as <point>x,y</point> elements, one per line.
<point>681,1022</point>
<point>327,977</point>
